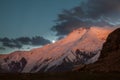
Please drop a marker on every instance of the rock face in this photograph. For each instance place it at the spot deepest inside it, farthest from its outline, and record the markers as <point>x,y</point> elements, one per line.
<point>112,43</point>
<point>109,60</point>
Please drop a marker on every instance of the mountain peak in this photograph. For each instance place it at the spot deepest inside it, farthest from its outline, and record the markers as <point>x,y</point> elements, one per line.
<point>76,48</point>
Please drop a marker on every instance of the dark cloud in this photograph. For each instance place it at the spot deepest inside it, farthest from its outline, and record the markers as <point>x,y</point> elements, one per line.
<point>98,8</point>
<point>23,40</point>
<point>87,14</point>
<point>19,42</point>
<point>2,48</point>
<point>39,41</point>
<point>60,37</point>
<point>5,39</point>
<point>12,45</point>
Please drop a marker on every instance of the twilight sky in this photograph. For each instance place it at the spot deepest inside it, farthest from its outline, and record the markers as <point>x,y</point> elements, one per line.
<point>34,23</point>
<point>31,17</point>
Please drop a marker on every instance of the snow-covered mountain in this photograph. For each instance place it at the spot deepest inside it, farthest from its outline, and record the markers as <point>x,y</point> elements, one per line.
<point>109,60</point>
<point>82,46</point>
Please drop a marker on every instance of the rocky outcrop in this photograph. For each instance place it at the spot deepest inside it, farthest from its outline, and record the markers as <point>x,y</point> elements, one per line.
<point>112,43</point>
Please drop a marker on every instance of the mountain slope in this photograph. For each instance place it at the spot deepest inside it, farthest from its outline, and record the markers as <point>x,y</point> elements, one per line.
<point>109,60</point>
<point>77,48</point>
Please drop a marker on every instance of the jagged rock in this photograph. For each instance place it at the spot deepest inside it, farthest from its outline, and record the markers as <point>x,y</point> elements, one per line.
<point>17,66</point>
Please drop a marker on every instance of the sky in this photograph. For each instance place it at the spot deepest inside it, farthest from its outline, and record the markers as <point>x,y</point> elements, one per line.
<point>34,23</point>
<point>31,17</point>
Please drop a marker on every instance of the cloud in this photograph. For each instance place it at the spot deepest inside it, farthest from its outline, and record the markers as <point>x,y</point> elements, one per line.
<point>2,48</point>
<point>97,8</point>
<point>87,14</point>
<point>12,45</point>
<point>39,41</point>
<point>23,40</point>
<point>19,42</point>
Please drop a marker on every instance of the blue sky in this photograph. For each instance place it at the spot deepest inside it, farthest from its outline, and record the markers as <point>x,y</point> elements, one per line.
<point>31,17</point>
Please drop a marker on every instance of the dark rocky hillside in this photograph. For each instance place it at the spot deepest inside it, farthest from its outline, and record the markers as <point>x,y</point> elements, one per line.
<point>109,60</point>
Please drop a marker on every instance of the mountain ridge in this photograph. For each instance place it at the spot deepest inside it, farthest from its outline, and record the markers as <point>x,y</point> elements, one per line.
<point>109,60</point>
<point>77,48</point>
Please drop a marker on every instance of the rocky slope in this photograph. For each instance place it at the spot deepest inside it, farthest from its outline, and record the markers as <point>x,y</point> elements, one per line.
<point>109,60</point>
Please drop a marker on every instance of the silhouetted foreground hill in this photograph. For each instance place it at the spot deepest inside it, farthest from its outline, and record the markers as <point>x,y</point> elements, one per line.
<point>61,76</point>
<point>109,60</point>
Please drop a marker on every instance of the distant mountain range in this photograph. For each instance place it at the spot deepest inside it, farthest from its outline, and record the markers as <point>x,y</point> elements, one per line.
<point>80,47</point>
